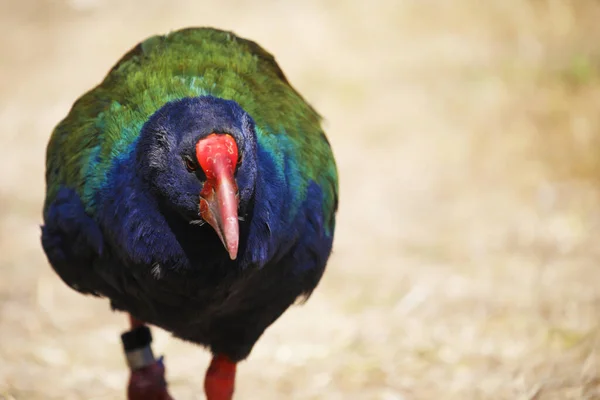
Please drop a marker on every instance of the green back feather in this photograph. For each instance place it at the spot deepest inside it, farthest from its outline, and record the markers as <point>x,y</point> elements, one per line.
<point>105,121</point>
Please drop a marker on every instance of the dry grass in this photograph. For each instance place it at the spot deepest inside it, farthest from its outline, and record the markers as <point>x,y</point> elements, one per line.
<point>466,260</point>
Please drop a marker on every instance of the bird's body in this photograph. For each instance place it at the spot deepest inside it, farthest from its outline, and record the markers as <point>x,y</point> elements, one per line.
<point>124,218</point>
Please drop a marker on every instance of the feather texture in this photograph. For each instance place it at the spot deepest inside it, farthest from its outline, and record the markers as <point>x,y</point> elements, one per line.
<point>106,121</point>
<point>115,197</point>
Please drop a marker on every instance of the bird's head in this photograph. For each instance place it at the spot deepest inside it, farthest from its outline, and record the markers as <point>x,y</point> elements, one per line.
<point>199,157</point>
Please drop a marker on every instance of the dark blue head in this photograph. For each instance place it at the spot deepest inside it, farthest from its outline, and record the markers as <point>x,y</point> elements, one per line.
<point>198,156</point>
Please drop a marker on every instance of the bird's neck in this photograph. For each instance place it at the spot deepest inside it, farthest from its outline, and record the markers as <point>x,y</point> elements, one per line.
<point>201,244</point>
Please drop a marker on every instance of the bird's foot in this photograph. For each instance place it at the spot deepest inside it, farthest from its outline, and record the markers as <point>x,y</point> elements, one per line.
<point>147,379</point>
<point>220,379</point>
<point>148,383</point>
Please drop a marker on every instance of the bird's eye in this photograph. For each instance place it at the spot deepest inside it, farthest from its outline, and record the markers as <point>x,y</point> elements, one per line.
<point>190,165</point>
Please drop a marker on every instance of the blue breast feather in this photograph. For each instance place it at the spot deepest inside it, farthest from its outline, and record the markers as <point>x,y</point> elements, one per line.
<point>128,221</point>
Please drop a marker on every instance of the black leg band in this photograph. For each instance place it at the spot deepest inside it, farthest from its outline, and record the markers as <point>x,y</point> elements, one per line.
<point>137,346</point>
<point>136,338</point>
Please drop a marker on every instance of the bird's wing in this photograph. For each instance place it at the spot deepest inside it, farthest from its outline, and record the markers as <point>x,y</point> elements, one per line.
<point>72,241</point>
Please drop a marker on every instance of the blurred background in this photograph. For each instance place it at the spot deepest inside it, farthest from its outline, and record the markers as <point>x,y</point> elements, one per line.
<point>467,136</point>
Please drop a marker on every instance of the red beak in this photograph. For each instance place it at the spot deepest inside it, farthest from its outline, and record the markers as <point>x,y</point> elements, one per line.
<point>217,155</point>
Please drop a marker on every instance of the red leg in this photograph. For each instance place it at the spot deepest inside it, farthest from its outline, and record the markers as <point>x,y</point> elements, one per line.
<point>147,379</point>
<point>134,323</point>
<point>220,379</point>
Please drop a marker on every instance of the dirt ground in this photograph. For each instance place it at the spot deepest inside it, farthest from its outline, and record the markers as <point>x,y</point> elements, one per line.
<point>466,256</point>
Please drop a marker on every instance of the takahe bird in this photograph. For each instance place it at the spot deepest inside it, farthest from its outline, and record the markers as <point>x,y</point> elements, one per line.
<point>195,189</point>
